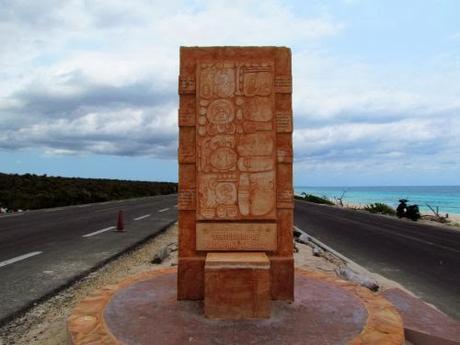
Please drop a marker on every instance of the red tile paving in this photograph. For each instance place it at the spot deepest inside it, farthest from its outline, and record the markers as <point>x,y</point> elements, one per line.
<point>423,324</point>
<point>144,310</point>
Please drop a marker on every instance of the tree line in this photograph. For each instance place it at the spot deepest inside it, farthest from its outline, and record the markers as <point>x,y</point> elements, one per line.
<point>29,191</point>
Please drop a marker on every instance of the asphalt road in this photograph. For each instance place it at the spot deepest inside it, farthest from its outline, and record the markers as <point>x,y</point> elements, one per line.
<point>44,250</point>
<point>423,258</point>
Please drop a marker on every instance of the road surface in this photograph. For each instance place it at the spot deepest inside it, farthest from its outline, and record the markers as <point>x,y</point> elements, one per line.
<point>43,250</point>
<point>423,258</point>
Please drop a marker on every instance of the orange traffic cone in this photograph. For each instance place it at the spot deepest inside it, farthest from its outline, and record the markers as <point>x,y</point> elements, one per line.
<point>120,225</point>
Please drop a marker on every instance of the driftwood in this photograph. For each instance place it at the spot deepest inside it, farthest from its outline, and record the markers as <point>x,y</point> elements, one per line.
<point>436,213</point>
<point>341,198</point>
<point>347,274</point>
<point>437,217</point>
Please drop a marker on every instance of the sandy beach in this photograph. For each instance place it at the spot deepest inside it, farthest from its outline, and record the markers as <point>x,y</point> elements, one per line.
<point>453,219</point>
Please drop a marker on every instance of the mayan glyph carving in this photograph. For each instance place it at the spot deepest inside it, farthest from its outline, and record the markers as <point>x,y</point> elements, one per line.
<point>235,141</point>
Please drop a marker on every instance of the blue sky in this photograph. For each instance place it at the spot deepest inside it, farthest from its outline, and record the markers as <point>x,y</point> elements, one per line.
<point>88,88</point>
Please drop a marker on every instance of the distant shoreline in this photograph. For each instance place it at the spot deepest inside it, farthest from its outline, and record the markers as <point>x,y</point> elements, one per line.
<point>453,220</point>
<point>446,198</point>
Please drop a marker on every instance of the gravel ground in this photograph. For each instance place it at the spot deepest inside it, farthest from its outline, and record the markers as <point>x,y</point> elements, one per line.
<point>45,324</point>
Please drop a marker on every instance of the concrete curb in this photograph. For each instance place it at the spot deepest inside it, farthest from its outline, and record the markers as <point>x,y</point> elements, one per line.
<point>327,248</point>
<point>352,271</point>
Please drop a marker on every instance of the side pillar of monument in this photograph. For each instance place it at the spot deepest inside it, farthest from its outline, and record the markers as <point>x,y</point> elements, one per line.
<point>190,277</point>
<point>235,163</point>
<point>282,261</point>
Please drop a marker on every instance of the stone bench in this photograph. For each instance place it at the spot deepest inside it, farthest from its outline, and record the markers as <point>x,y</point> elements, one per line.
<point>237,285</point>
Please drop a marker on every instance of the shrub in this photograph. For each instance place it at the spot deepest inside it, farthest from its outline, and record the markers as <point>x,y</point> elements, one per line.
<point>379,207</point>
<point>34,191</point>
<point>315,199</point>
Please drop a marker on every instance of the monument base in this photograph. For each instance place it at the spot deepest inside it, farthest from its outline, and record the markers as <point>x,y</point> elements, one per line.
<point>144,310</point>
<point>237,286</point>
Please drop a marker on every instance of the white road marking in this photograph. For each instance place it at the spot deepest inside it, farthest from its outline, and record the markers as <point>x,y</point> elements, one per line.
<point>142,217</point>
<point>99,231</point>
<point>85,205</point>
<point>12,214</point>
<point>165,209</point>
<point>18,258</point>
<point>54,209</point>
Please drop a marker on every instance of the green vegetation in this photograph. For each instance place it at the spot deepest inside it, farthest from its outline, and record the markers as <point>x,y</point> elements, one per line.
<point>315,199</point>
<point>30,191</point>
<point>381,208</point>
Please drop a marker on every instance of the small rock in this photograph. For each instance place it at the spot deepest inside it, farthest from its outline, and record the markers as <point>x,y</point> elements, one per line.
<point>317,251</point>
<point>303,239</point>
<point>296,232</point>
<point>161,255</point>
<point>296,249</point>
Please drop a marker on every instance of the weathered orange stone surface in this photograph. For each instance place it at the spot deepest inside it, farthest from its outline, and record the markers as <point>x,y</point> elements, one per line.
<point>235,161</point>
<point>143,310</point>
<point>237,286</point>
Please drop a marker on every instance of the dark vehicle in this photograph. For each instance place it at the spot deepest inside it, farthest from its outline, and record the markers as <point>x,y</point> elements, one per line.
<point>407,211</point>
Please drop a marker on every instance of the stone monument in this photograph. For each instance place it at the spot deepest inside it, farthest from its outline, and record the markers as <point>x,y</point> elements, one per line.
<point>235,229</point>
<point>235,177</point>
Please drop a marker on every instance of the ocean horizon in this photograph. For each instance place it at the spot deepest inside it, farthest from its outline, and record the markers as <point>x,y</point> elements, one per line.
<point>447,198</point>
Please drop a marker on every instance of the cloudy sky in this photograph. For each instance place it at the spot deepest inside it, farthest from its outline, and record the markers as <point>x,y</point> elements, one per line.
<point>88,88</point>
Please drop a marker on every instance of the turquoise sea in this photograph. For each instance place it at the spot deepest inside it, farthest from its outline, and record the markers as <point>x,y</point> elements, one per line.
<point>447,198</point>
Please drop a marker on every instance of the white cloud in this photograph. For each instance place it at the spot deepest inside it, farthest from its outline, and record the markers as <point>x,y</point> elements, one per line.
<point>98,77</point>
<point>329,87</point>
<point>81,77</point>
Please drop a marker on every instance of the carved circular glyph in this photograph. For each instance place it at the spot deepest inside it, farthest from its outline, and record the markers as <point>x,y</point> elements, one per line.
<point>223,158</point>
<point>221,111</point>
<point>226,193</point>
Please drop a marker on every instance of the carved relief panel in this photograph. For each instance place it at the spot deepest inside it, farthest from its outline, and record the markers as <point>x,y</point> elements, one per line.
<point>236,141</point>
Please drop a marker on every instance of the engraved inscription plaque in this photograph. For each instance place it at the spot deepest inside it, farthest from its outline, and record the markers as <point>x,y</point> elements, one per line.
<point>236,236</point>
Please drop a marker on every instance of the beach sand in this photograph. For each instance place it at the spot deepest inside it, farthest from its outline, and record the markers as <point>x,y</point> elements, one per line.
<point>454,218</point>
<point>453,221</point>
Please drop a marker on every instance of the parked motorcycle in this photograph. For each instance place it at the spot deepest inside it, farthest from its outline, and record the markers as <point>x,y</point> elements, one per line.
<point>407,211</point>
